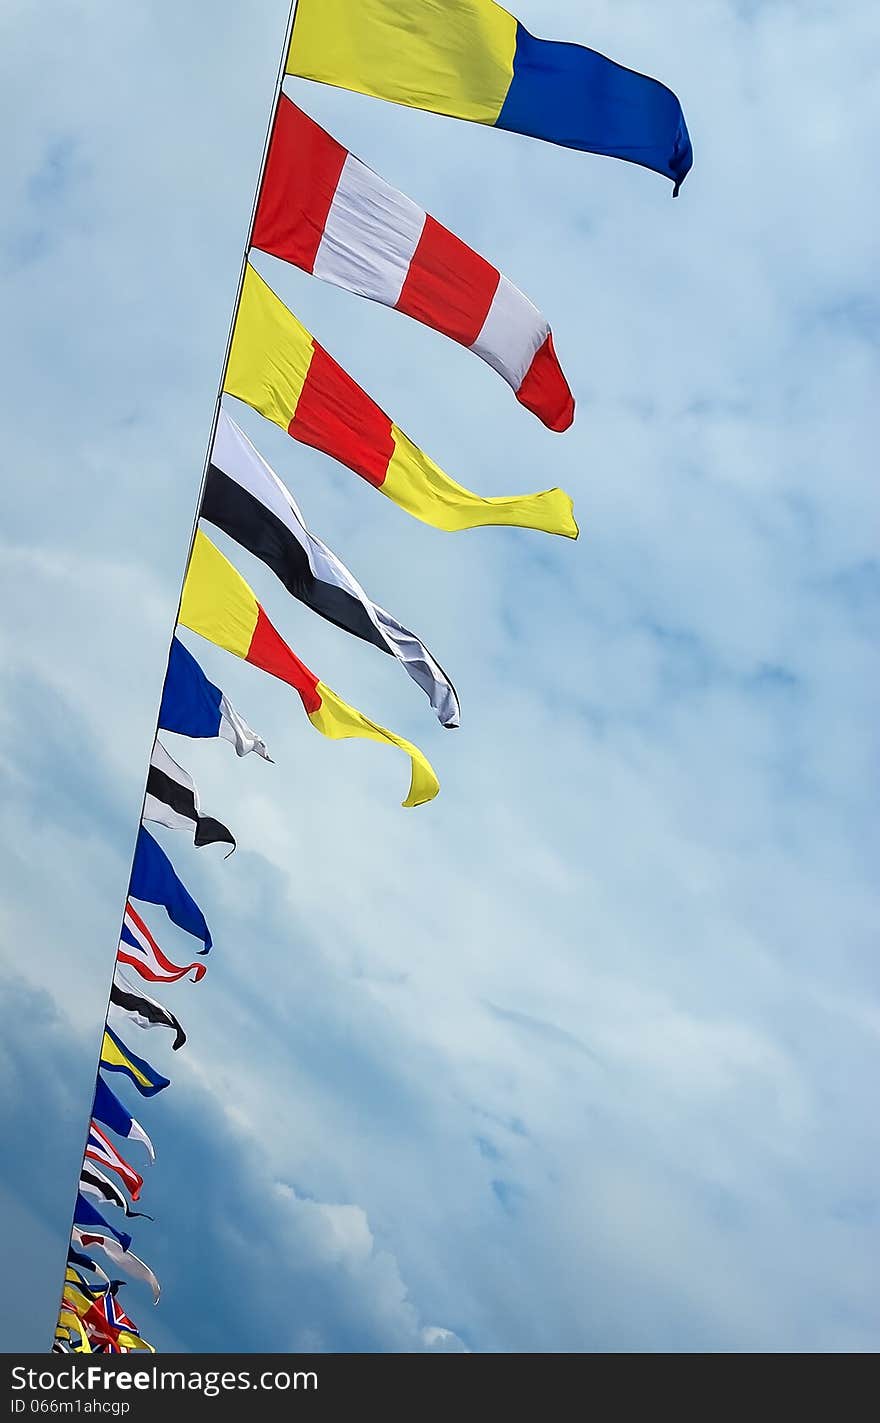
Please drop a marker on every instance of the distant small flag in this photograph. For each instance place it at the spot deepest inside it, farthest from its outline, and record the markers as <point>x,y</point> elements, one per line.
<point>325,211</point>
<point>154,879</point>
<point>68,1320</point>
<point>100,1149</point>
<point>193,706</point>
<point>143,1010</point>
<point>122,1258</point>
<point>90,1220</point>
<point>109,1111</point>
<point>172,800</point>
<point>74,1277</point>
<point>139,949</point>
<point>85,1262</point>
<point>94,1183</point>
<point>116,1057</point>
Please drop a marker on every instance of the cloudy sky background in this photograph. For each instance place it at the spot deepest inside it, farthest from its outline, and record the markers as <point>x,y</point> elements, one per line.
<point>583,1055</point>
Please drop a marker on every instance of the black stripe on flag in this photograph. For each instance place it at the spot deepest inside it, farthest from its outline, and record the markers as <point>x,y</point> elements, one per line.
<point>246,519</point>
<point>110,1193</point>
<point>147,1008</point>
<point>181,799</point>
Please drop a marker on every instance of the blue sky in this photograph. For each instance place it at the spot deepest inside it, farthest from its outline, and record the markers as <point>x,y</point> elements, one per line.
<point>582,1055</point>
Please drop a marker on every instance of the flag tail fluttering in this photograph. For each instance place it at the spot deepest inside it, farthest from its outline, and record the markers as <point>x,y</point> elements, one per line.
<point>109,1111</point>
<point>122,1258</point>
<point>173,801</point>
<point>137,1006</point>
<point>218,604</point>
<point>116,1057</point>
<point>278,369</point>
<point>139,950</point>
<point>193,706</point>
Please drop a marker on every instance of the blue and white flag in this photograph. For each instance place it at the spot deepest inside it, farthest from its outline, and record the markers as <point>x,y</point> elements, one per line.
<point>109,1111</point>
<point>193,706</point>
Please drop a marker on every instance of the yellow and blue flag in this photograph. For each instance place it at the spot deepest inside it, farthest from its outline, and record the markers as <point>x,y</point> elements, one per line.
<point>116,1057</point>
<point>470,59</point>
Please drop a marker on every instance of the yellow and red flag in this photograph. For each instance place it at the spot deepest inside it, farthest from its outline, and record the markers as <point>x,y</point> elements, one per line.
<point>218,604</point>
<point>277,368</point>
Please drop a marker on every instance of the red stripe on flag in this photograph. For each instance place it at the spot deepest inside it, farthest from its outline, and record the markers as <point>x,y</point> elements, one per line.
<point>545,391</point>
<point>270,653</point>
<point>334,415</point>
<point>302,174</point>
<point>448,286</point>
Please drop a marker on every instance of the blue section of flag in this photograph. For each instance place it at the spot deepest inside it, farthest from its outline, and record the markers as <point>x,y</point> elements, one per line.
<point>109,1111</point>
<point>153,878</point>
<point>574,96</point>
<point>75,1257</point>
<point>87,1218</point>
<point>134,1068</point>
<point>190,703</point>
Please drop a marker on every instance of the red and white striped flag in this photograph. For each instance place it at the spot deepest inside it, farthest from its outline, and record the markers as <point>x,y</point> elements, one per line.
<point>325,211</point>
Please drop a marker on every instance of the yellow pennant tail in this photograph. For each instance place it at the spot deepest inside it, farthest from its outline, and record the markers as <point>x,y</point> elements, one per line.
<point>418,485</point>
<point>336,719</point>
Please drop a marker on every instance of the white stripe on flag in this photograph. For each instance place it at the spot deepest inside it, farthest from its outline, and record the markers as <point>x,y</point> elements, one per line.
<point>513,331</point>
<point>370,235</point>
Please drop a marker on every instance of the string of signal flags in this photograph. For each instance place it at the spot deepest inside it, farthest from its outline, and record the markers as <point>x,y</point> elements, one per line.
<point>322,209</point>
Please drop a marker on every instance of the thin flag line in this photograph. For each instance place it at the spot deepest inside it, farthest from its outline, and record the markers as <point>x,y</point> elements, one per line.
<point>244,257</point>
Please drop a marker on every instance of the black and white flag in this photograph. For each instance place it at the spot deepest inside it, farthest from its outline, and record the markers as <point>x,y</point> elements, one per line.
<point>172,800</point>
<point>143,1010</point>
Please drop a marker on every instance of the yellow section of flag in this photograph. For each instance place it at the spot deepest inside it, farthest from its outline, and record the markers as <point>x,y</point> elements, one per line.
<point>271,353</point>
<point>448,56</point>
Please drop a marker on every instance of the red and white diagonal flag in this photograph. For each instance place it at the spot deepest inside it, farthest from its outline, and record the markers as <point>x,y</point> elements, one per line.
<point>139,949</point>
<point>100,1148</point>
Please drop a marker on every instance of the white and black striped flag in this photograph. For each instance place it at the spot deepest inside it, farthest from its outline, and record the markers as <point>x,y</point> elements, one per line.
<point>143,1010</point>
<point>172,800</point>
<point>93,1182</point>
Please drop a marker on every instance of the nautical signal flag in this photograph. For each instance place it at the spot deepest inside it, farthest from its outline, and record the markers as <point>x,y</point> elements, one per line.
<point>153,879</point>
<point>85,1262</point>
<point>276,367</point>
<point>193,706</point>
<point>219,605</point>
<point>93,1182</point>
<point>143,1010</point>
<point>116,1057</point>
<point>122,1259</point>
<point>100,1148</point>
<point>325,211</point>
<point>139,949</point>
<point>470,59</point>
<point>246,499</point>
<point>109,1111</point>
<point>68,1320</point>
<point>89,1220</point>
<point>172,800</point>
